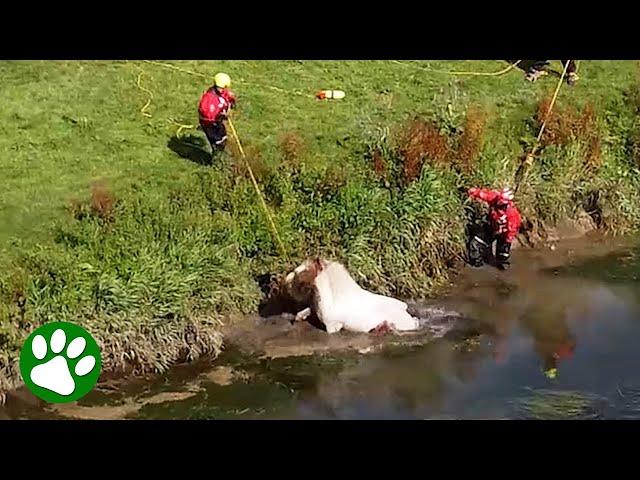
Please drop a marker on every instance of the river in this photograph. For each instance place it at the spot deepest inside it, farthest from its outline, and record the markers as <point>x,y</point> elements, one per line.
<point>556,340</point>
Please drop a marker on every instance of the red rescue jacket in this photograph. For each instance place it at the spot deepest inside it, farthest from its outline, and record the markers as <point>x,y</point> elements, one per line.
<point>505,222</point>
<point>564,351</point>
<point>215,105</point>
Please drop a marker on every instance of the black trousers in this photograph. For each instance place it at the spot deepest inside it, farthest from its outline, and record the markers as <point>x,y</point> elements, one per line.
<point>541,64</point>
<point>216,134</point>
<point>480,247</point>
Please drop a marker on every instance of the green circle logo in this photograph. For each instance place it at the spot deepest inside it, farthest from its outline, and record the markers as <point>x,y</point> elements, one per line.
<point>60,362</point>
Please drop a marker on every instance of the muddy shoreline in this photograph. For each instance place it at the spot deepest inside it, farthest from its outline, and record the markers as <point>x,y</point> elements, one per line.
<point>278,337</point>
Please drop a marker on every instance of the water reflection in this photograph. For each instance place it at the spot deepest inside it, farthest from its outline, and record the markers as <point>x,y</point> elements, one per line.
<point>554,336</point>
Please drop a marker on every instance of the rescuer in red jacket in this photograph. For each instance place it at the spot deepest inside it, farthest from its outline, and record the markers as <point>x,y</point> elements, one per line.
<point>503,227</point>
<point>213,109</point>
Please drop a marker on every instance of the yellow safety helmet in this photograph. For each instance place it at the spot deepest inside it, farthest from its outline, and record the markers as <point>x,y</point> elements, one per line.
<point>222,80</point>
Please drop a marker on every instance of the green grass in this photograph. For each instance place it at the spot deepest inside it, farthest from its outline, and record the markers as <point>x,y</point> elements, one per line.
<point>185,241</point>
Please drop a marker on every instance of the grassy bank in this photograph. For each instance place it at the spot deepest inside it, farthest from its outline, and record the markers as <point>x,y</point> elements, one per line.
<point>109,219</point>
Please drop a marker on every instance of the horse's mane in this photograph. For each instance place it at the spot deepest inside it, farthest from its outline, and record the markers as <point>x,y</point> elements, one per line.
<point>325,281</point>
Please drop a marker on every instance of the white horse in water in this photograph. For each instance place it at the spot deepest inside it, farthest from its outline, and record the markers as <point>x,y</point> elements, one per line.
<point>339,302</point>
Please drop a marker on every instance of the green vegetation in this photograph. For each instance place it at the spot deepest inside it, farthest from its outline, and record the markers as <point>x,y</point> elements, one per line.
<point>110,220</point>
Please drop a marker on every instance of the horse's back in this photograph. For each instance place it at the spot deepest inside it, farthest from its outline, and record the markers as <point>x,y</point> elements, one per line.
<point>357,309</point>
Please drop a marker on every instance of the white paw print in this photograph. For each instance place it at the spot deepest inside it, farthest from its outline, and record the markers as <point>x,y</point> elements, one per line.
<point>55,375</point>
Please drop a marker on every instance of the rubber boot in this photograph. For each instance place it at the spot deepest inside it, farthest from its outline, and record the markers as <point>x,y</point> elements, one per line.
<point>477,251</point>
<point>503,254</point>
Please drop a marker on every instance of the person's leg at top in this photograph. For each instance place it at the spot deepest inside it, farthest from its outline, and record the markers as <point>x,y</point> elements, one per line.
<point>572,71</point>
<point>536,70</point>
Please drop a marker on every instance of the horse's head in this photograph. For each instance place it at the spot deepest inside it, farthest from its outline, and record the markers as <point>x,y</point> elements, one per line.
<point>299,283</point>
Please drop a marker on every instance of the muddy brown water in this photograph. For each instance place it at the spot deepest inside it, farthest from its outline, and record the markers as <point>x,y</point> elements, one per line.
<point>573,311</point>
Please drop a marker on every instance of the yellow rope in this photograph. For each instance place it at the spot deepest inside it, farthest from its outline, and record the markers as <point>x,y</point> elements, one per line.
<point>308,95</point>
<point>548,112</point>
<point>280,90</point>
<point>173,67</point>
<point>447,72</point>
<point>146,105</point>
<point>197,74</point>
<point>529,157</point>
<point>182,126</point>
<point>302,94</point>
<point>258,192</point>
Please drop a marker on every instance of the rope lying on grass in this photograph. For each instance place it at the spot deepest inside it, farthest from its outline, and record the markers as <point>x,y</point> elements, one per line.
<point>182,126</point>
<point>241,81</point>
<point>297,92</point>
<point>173,67</point>
<point>471,73</point>
<point>146,105</point>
